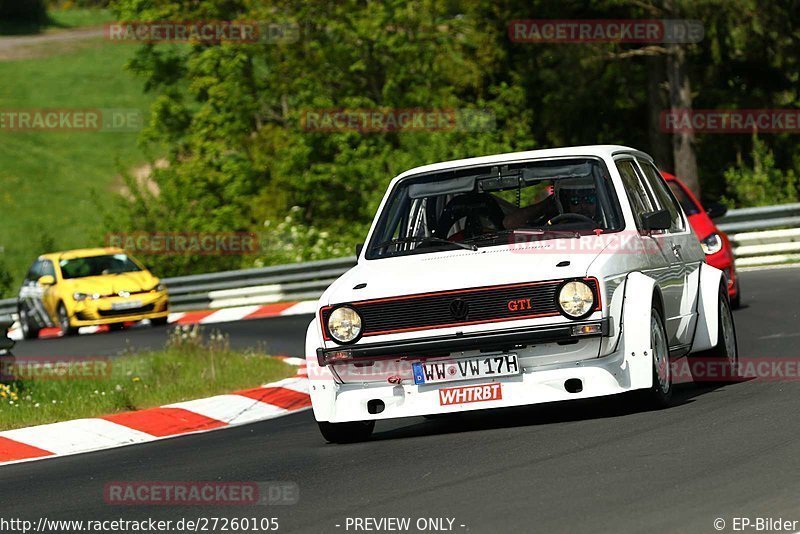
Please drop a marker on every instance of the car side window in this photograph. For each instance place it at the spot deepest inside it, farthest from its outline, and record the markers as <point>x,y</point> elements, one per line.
<point>638,196</point>
<point>665,199</point>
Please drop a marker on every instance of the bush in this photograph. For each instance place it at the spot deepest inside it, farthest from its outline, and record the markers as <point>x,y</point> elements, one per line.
<point>291,241</point>
<point>763,184</point>
<point>25,11</point>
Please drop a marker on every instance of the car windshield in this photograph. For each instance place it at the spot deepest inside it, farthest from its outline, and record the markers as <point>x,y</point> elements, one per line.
<point>486,206</point>
<point>97,266</point>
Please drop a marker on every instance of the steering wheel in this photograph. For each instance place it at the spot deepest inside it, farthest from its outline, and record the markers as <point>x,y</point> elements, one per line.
<point>572,217</point>
<point>473,206</point>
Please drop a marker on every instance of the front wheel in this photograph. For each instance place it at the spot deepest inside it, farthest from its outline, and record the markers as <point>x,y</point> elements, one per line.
<point>346,432</point>
<point>63,322</point>
<point>161,321</point>
<point>29,331</point>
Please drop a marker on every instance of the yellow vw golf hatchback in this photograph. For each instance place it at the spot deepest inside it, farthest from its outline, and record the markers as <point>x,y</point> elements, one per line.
<point>89,287</point>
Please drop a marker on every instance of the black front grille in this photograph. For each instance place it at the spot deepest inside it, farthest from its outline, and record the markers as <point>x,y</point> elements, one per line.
<point>439,310</point>
<point>132,311</point>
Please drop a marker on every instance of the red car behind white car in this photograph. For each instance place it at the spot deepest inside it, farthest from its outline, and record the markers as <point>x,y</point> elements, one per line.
<point>715,243</point>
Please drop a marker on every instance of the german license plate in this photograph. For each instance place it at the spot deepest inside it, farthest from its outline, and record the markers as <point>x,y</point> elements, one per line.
<point>489,366</point>
<point>128,305</point>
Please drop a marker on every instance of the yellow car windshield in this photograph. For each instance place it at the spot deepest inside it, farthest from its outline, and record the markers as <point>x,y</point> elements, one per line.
<point>97,266</point>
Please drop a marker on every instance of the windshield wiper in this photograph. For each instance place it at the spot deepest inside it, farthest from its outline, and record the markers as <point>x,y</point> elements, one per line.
<point>423,239</point>
<point>493,236</point>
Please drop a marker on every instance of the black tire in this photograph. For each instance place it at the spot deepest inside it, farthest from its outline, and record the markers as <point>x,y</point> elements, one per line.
<point>726,351</point>
<point>63,322</point>
<point>29,331</point>
<point>659,395</point>
<point>116,327</point>
<point>346,432</point>
<point>736,302</point>
<point>161,321</point>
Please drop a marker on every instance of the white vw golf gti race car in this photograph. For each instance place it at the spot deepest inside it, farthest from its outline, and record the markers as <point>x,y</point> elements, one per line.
<point>516,279</point>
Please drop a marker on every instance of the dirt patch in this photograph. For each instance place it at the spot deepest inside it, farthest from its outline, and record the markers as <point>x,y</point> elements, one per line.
<point>33,46</point>
<point>142,176</point>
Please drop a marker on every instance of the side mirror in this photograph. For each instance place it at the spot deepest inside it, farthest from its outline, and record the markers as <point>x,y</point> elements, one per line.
<point>715,210</point>
<point>47,280</point>
<point>657,220</point>
<point>359,248</point>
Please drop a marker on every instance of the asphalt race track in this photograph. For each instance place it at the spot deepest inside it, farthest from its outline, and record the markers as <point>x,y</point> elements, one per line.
<point>595,466</point>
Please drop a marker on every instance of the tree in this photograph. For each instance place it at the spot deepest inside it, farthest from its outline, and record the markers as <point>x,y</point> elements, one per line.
<point>231,114</point>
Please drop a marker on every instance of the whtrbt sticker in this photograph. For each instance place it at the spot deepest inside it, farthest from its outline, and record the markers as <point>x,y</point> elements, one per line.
<point>465,394</point>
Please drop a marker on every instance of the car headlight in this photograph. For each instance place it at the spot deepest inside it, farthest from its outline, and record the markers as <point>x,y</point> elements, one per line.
<point>344,324</point>
<point>78,296</point>
<point>712,244</point>
<point>576,299</point>
<point>160,287</point>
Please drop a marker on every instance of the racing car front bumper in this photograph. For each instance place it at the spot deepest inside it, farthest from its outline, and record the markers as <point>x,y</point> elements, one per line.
<point>561,382</point>
<point>153,305</point>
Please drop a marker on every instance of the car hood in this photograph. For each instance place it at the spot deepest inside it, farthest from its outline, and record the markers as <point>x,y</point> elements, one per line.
<point>112,284</point>
<point>458,269</point>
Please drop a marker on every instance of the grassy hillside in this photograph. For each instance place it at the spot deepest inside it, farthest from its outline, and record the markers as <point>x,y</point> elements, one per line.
<point>48,179</point>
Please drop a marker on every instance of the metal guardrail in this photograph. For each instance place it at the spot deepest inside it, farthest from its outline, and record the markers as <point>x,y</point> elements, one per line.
<point>8,307</point>
<point>764,235</point>
<point>297,281</point>
<point>760,218</point>
<point>752,232</point>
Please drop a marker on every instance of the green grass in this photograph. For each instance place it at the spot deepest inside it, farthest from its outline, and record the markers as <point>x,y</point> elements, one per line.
<point>48,179</point>
<point>188,368</point>
<point>58,20</point>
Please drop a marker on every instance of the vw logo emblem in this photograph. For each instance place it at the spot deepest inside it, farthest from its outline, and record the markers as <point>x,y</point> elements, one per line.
<point>459,309</point>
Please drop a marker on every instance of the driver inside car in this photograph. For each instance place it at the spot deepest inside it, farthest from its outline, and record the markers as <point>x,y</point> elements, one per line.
<point>570,196</point>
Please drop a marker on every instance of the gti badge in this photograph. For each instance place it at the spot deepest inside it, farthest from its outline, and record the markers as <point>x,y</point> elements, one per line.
<point>519,305</point>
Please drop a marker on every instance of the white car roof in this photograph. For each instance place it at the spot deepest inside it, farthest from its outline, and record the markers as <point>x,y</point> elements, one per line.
<point>604,151</point>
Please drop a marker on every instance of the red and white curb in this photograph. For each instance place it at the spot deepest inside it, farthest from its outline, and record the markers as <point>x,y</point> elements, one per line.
<point>191,417</point>
<point>222,315</point>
